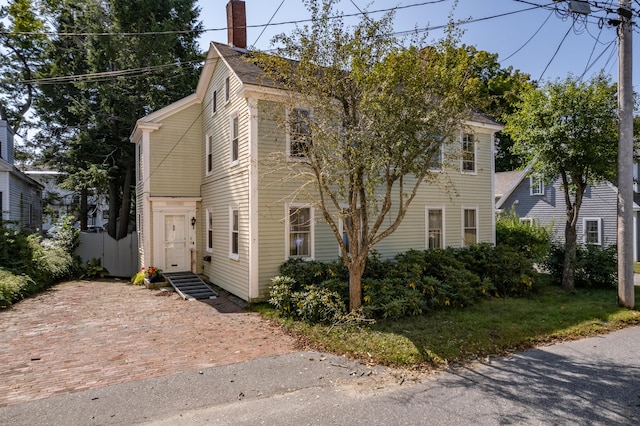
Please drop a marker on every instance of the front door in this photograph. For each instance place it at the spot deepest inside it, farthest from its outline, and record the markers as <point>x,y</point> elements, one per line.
<point>175,243</point>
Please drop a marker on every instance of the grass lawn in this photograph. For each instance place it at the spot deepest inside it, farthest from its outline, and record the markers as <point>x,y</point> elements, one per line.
<point>492,327</point>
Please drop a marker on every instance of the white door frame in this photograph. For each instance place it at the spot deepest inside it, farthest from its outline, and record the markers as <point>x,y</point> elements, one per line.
<point>176,206</point>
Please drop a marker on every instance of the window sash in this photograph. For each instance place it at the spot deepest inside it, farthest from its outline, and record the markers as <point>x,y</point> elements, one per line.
<point>234,139</point>
<point>592,231</point>
<point>468,153</point>
<point>470,227</point>
<point>214,102</point>
<point>435,228</point>
<point>209,230</point>
<point>300,137</point>
<point>235,232</point>
<point>536,184</point>
<point>300,228</point>
<point>209,145</point>
<point>227,89</point>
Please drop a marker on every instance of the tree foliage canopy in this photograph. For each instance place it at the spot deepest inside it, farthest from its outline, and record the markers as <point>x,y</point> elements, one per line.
<point>568,128</point>
<point>380,111</point>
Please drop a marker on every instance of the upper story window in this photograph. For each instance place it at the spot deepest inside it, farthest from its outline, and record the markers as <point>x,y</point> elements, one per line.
<point>209,153</point>
<point>214,102</point>
<point>299,134</point>
<point>140,163</point>
<point>468,153</point>
<point>227,89</point>
<point>536,185</point>
<point>435,162</point>
<point>592,230</point>
<point>235,136</point>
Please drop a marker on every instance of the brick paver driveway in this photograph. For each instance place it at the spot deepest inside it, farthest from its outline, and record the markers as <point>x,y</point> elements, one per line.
<point>86,334</point>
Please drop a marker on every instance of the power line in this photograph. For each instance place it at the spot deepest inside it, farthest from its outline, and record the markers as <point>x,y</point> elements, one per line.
<point>530,38</point>
<point>265,27</point>
<point>555,53</point>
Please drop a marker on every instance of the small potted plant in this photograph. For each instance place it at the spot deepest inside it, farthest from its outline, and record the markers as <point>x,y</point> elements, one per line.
<point>152,276</point>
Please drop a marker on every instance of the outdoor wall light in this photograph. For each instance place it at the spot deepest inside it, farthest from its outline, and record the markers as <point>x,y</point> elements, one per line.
<point>193,222</point>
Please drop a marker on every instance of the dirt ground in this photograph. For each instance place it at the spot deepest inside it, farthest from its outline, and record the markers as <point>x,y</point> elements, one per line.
<point>81,335</point>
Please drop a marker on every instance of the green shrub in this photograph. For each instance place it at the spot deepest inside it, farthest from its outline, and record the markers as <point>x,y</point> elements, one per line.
<point>281,295</point>
<point>596,267</point>
<point>511,272</point>
<point>527,238</point>
<point>14,287</point>
<point>312,304</point>
<point>138,279</point>
<point>316,304</point>
<point>310,272</point>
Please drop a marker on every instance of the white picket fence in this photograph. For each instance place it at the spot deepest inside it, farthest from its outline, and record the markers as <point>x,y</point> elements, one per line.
<point>118,257</point>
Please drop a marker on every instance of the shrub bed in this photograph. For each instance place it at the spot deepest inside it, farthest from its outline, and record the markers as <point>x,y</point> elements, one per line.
<point>31,265</point>
<point>410,284</point>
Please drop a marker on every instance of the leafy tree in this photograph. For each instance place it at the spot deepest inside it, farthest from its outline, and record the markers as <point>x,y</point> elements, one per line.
<point>380,113</point>
<point>131,57</point>
<point>20,52</point>
<point>569,129</point>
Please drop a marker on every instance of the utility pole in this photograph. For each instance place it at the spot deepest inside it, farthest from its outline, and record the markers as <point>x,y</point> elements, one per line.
<point>626,296</point>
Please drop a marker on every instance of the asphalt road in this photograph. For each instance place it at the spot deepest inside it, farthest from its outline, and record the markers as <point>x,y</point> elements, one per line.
<point>592,381</point>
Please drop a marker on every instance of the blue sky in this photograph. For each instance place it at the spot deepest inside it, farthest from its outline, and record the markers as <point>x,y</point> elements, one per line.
<point>526,40</point>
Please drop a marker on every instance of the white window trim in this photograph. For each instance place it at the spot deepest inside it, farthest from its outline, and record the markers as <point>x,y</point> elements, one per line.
<point>288,134</point>
<point>233,256</point>
<point>214,102</point>
<point>536,185</point>
<point>426,225</point>
<point>233,117</point>
<point>475,155</point>
<point>584,229</point>
<point>209,228</point>
<point>462,227</point>
<point>227,90</point>
<point>287,230</point>
<point>528,220</point>
<point>208,143</point>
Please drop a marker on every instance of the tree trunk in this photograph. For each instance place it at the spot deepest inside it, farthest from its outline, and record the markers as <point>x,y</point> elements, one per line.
<point>125,207</point>
<point>356,270</point>
<point>569,265</point>
<point>113,208</point>
<point>84,209</point>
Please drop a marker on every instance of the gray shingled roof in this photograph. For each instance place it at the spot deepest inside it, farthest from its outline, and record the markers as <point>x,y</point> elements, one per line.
<point>504,181</point>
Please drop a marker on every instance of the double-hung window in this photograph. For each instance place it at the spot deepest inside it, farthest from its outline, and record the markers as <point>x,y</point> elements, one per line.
<point>470,226</point>
<point>234,139</point>
<point>468,153</point>
<point>436,150</point>
<point>234,232</point>
<point>435,227</point>
<point>536,185</point>
<point>299,134</point>
<point>209,230</point>
<point>592,230</point>
<point>300,230</point>
<point>209,153</point>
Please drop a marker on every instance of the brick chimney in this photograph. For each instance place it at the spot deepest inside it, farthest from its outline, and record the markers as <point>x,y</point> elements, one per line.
<point>237,24</point>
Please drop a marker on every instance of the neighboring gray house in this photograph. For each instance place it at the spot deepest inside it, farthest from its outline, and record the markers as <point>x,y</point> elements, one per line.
<point>533,198</point>
<point>20,196</point>
<point>59,203</point>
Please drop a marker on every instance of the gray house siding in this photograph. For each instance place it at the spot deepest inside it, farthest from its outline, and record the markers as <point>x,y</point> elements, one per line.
<point>550,208</point>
